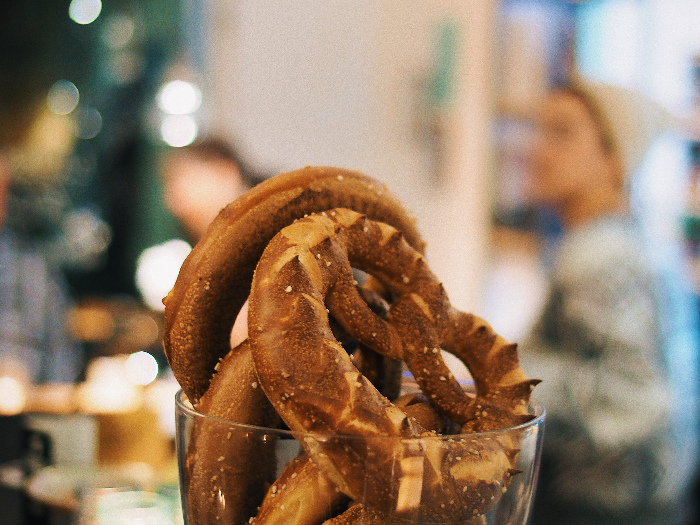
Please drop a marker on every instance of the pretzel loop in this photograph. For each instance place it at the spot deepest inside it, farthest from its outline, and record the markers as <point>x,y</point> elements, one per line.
<point>315,388</point>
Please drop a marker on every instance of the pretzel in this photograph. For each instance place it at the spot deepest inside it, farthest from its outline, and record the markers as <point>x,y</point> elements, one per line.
<point>226,474</point>
<point>214,281</point>
<point>304,274</point>
<point>212,286</point>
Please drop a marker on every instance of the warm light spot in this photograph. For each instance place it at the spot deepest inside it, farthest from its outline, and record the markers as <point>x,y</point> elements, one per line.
<point>141,368</point>
<point>179,98</point>
<point>178,130</point>
<point>108,388</point>
<point>84,11</point>
<point>157,268</point>
<point>63,97</point>
<point>14,396</point>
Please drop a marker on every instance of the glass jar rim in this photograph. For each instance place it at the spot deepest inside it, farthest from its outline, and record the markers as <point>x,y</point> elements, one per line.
<point>538,411</point>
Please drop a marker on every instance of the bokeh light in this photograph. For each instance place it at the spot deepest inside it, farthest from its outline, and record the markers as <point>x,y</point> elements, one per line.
<point>178,97</point>
<point>157,269</point>
<point>118,31</point>
<point>63,97</point>
<point>84,11</point>
<point>88,236</point>
<point>88,122</point>
<point>141,368</point>
<point>14,396</point>
<point>125,66</point>
<point>178,130</point>
<point>108,388</point>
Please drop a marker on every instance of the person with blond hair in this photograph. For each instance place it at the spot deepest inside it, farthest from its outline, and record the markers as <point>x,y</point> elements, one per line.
<point>615,344</point>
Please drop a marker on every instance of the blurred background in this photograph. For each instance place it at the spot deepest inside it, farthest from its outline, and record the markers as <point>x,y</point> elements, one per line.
<point>432,97</point>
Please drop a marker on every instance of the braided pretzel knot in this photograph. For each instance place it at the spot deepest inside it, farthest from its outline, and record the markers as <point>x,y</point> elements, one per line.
<point>304,274</point>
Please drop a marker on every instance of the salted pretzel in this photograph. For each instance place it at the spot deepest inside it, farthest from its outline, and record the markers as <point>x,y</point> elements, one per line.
<point>211,288</point>
<point>226,474</point>
<point>214,282</point>
<point>304,274</point>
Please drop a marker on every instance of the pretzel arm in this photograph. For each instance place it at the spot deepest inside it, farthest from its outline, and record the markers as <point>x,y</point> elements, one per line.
<point>502,387</point>
<point>302,495</point>
<point>226,475</point>
<point>419,315</point>
<point>352,312</point>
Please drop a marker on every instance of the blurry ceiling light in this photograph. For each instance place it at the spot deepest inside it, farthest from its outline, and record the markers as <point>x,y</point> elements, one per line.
<point>88,122</point>
<point>157,268</point>
<point>118,31</point>
<point>84,11</point>
<point>63,97</point>
<point>178,130</point>
<point>178,97</point>
<point>141,368</point>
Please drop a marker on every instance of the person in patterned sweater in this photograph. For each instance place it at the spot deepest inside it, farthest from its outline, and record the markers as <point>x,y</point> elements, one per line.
<point>616,343</point>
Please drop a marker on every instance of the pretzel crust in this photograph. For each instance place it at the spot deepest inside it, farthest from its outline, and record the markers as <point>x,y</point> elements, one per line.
<point>304,231</point>
<point>214,282</point>
<point>303,275</point>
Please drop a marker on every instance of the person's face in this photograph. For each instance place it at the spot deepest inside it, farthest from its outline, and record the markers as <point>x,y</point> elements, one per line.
<point>197,189</point>
<point>568,156</point>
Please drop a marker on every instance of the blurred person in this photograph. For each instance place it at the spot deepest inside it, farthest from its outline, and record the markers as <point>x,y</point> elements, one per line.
<point>201,179</point>
<point>615,344</point>
<point>33,298</point>
<point>34,303</point>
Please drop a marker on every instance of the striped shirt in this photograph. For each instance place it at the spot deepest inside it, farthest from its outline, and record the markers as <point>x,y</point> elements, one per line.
<point>33,308</point>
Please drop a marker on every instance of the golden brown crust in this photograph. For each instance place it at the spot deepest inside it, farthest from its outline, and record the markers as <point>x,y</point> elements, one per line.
<point>356,515</point>
<point>226,474</point>
<point>303,278</point>
<point>302,495</point>
<point>214,281</point>
<point>418,407</point>
<point>315,388</point>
